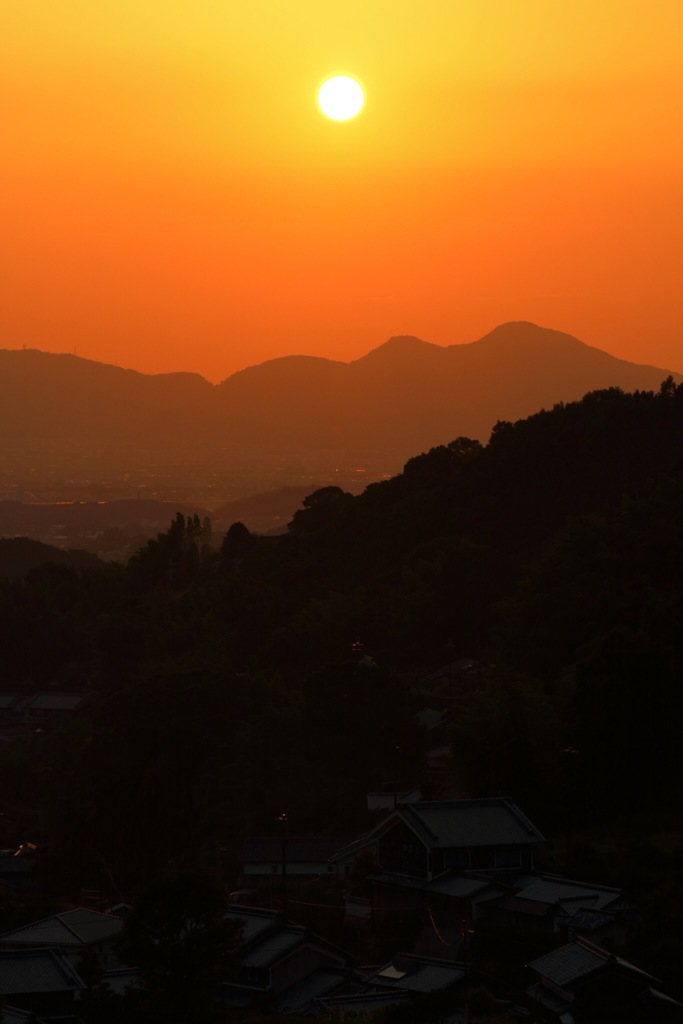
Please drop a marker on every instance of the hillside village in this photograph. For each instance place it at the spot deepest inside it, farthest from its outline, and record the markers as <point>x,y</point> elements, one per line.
<point>417,757</point>
<point>445,917</point>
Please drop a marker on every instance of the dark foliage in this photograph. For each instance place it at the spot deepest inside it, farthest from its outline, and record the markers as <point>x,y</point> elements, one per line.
<point>227,687</point>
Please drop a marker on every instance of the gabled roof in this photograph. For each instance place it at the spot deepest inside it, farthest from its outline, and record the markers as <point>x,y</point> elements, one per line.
<point>577,960</point>
<point>268,936</point>
<point>516,905</point>
<point>320,983</point>
<point>417,974</point>
<point>80,927</point>
<point>56,701</point>
<point>9,701</point>
<point>35,971</point>
<point>459,886</point>
<point>13,1015</point>
<point>453,824</point>
<point>361,1002</point>
<point>572,896</point>
<point>448,824</point>
<point>272,947</point>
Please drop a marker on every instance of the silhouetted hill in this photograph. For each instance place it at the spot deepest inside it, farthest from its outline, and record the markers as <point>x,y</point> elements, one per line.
<point>410,395</point>
<point>18,555</point>
<point>261,513</point>
<point>401,398</point>
<point>66,398</point>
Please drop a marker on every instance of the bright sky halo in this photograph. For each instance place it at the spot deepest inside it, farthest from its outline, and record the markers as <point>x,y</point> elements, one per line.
<point>340,98</point>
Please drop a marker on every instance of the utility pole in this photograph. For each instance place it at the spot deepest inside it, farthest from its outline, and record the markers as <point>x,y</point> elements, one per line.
<point>282,818</point>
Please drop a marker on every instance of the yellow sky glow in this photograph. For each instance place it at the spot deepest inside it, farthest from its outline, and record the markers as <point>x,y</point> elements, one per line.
<point>172,198</point>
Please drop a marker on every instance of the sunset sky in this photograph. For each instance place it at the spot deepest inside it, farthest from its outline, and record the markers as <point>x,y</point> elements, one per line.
<point>173,199</point>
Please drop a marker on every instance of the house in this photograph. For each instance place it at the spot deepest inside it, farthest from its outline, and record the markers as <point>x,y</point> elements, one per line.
<point>38,981</point>
<point>547,903</point>
<point>417,974</point>
<point>304,858</point>
<point>300,999</point>
<point>48,708</point>
<point>402,980</point>
<point>13,1015</point>
<point>581,981</point>
<point>275,955</point>
<point>435,864</point>
<point>71,933</point>
<point>420,841</point>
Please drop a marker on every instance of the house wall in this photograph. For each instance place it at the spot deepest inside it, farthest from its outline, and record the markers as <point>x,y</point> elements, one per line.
<point>400,852</point>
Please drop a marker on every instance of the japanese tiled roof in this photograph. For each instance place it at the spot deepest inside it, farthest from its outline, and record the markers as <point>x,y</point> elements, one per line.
<point>573,896</point>
<point>80,927</point>
<point>10,700</point>
<point>457,885</point>
<point>568,963</point>
<point>272,947</point>
<point>267,936</point>
<point>417,974</point>
<point>320,983</point>
<point>56,701</point>
<point>34,971</point>
<point>12,1015</point>
<point>517,905</point>
<point>555,1001</point>
<point>577,960</point>
<point>450,824</point>
<point>361,1002</point>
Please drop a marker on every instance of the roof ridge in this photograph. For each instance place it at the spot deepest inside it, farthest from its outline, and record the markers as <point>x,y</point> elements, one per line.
<point>576,881</point>
<point>408,811</point>
<point>69,928</point>
<point>592,947</point>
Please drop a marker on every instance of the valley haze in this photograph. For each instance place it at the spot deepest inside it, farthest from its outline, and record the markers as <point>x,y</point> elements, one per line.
<point>75,429</point>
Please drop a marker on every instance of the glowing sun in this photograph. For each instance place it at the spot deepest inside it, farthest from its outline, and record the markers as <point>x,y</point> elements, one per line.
<point>340,98</point>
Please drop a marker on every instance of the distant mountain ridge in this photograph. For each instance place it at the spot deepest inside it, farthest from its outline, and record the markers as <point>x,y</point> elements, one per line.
<point>401,398</point>
<point>408,395</point>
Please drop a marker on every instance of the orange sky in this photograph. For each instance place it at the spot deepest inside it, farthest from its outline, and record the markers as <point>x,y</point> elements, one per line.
<point>172,199</point>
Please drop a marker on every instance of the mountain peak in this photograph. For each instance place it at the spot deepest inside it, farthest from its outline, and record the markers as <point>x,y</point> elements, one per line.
<point>400,346</point>
<point>525,330</point>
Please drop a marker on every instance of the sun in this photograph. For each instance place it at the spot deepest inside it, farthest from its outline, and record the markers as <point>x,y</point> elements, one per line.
<point>340,98</point>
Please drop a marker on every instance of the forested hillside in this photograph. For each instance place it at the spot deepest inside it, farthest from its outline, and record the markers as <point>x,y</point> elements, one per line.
<point>227,687</point>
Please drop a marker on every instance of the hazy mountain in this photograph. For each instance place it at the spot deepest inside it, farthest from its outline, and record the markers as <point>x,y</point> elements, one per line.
<point>66,397</point>
<point>18,555</point>
<point>262,513</point>
<point>401,398</point>
<point>408,395</point>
